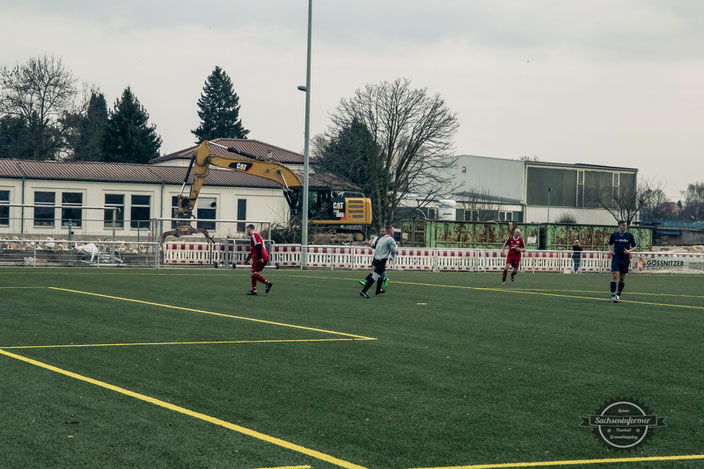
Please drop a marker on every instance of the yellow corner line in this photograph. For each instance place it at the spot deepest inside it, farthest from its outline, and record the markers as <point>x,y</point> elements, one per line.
<point>191,413</point>
<point>211,313</point>
<point>203,342</point>
<point>572,462</point>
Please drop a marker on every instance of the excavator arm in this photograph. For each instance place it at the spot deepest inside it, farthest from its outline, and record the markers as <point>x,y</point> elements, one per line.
<point>200,165</point>
<point>204,158</point>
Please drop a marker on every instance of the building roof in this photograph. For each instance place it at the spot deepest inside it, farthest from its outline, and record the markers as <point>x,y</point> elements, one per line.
<point>551,164</point>
<point>93,171</point>
<point>254,147</point>
<point>121,172</point>
<point>580,166</point>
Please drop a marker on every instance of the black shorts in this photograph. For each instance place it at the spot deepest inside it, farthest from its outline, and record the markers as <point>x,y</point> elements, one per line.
<point>620,264</point>
<point>379,266</point>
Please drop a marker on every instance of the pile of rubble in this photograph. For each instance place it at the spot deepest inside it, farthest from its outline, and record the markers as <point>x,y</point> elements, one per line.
<point>49,244</point>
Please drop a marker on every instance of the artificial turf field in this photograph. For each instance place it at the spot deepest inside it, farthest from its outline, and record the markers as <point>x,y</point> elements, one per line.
<point>180,369</point>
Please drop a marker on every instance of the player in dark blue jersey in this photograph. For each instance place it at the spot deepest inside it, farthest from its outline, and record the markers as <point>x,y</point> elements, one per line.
<point>621,245</point>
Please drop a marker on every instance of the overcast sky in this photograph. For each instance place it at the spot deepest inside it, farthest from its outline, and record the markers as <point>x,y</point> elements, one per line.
<point>613,82</point>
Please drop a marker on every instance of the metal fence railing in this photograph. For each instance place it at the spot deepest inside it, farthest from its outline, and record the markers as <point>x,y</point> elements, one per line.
<point>75,229</point>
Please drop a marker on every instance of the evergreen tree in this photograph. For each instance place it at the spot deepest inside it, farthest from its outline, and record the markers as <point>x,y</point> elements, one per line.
<point>128,138</point>
<point>219,109</point>
<point>350,154</point>
<point>89,140</point>
<point>15,138</point>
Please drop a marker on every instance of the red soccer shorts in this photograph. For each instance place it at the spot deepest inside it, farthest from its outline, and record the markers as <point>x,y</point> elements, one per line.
<point>258,266</point>
<point>513,261</point>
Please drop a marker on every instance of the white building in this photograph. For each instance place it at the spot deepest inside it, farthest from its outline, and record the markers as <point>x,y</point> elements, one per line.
<point>49,198</point>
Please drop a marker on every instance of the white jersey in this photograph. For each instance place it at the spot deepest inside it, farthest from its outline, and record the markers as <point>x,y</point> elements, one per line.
<point>385,247</point>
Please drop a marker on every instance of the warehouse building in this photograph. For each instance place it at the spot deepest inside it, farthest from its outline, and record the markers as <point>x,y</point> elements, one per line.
<point>530,191</point>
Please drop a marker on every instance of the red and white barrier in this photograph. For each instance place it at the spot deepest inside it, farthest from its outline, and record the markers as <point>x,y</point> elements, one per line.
<point>187,253</point>
<point>430,259</point>
<point>595,261</point>
<point>412,259</point>
<point>546,261</point>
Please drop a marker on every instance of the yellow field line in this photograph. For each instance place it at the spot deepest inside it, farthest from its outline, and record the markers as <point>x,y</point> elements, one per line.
<point>181,308</point>
<point>191,413</point>
<point>602,291</point>
<point>573,462</point>
<point>287,467</point>
<point>203,342</point>
<point>508,290</point>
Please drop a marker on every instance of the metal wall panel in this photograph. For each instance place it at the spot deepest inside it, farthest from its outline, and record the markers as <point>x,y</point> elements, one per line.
<point>492,176</point>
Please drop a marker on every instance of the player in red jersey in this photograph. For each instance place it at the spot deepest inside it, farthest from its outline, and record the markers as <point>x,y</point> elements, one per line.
<point>515,247</point>
<point>260,258</point>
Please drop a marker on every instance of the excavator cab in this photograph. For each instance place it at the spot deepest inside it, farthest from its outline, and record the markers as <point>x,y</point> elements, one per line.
<point>330,207</point>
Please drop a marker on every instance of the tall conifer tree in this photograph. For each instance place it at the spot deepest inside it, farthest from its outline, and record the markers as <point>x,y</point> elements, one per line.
<point>219,109</point>
<point>91,129</point>
<point>128,138</point>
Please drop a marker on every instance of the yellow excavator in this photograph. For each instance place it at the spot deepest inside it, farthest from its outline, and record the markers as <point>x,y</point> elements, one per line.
<point>343,210</point>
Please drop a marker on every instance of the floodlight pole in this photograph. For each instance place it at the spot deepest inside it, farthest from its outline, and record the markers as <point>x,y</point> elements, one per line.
<point>304,208</point>
<point>549,190</point>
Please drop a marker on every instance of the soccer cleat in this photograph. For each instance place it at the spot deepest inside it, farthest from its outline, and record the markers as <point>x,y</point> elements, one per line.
<point>614,299</point>
<point>513,278</point>
<point>362,282</point>
<point>380,292</point>
<point>363,294</point>
<point>252,292</point>
<point>618,297</point>
<point>386,282</point>
<point>503,282</point>
<point>268,287</point>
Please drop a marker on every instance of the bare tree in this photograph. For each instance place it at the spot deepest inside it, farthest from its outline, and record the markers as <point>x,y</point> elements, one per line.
<point>41,93</point>
<point>693,209</point>
<point>412,135</point>
<point>625,203</point>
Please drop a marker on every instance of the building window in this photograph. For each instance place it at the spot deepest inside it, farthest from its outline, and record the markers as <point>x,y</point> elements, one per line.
<point>241,213</point>
<point>117,201</point>
<point>561,182</point>
<point>598,189</point>
<point>140,212</point>
<point>174,207</point>
<point>44,208</point>
<point>4,208</point>
<point>71,213</point>
<point>506,216</point>
<point>580,188</point>
<point>206,210</point>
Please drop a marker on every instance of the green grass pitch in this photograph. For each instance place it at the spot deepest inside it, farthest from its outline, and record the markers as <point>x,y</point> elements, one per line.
<point>179,368</point>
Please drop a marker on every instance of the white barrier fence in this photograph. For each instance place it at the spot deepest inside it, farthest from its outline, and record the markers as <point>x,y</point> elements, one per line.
<point>429,259</point>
